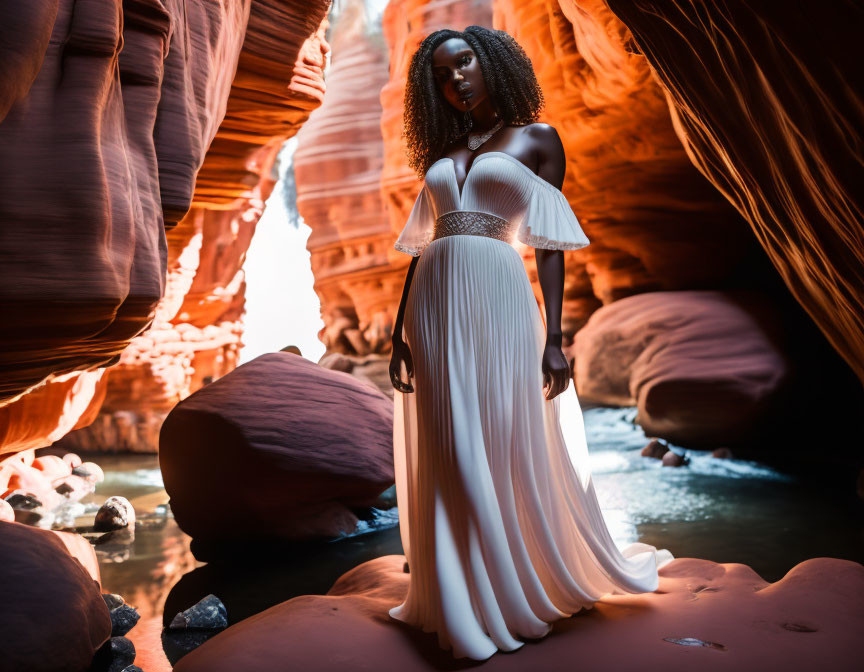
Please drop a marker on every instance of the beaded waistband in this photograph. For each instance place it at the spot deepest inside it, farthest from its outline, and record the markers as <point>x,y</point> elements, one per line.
<point>465,222</point>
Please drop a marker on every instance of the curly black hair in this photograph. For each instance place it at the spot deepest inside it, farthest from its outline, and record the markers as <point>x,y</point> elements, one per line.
<point>431,124</point>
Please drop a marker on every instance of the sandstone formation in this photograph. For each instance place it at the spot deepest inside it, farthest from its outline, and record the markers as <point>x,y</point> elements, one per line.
<point>705,616</point>
<point>53,616</point>
<point>233,82</point>
<point>81,205</point>
<point>338,175</point>
<point>46,414</point>
<point>280,448</point>
<point>704,368</point>
<point>654,222</point>
<point>766,100</point>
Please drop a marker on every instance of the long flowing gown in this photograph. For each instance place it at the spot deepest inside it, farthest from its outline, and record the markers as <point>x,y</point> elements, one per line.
<point>499,519</point>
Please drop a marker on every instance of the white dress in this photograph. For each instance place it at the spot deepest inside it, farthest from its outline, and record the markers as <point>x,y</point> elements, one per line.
<point>498,515</point>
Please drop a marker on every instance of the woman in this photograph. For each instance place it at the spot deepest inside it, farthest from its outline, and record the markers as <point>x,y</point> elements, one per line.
<point>499,519</point>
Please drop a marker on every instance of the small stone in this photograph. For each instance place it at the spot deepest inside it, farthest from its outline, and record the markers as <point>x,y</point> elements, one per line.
<point>122,654</point>
<point>208,614</point>
<point>123,618</point>
<point>115,514</point>
<point>72,460</point>
<point>23,501</point>
<point>723,454</point>
<point>64,489</point>
<point>673,459</point>
<point>656,449</point>
<point>91,471</point>
<point>387,499</point>
<point>113,600</point>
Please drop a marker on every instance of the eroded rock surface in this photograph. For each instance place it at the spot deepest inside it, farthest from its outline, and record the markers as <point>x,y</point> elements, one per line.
<point>338,164</point>
<point>232,81</point>
<point>704,614</point>
<point>84,234</point>
<point>767,102</point>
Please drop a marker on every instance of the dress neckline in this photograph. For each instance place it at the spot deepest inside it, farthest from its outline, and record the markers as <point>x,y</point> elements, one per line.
<point>512,158</point>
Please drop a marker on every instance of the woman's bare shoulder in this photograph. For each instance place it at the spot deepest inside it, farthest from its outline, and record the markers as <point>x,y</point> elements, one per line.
<point>549,150</point>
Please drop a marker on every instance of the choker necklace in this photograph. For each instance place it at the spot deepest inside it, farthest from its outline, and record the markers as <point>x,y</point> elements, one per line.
<point>477,139</point>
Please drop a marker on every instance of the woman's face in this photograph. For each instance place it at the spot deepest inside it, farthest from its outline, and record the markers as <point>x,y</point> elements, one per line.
<point>458,75</point>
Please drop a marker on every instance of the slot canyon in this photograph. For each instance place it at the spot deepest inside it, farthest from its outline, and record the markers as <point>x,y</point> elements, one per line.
<point>715,321</point>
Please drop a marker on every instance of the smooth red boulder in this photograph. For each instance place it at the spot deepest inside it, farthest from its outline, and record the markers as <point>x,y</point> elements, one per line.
<point>703,367</point>
<point>279,448</point>
<point>810,619</point>
<point>52,615</point>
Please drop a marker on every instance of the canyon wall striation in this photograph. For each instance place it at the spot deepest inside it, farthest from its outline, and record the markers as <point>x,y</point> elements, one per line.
<point>124,120</point>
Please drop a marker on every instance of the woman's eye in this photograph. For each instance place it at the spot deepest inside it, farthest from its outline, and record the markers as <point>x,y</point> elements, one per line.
<point>465,60</point>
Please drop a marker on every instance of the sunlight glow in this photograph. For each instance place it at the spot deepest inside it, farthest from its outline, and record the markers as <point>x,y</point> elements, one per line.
<point>281,307</point>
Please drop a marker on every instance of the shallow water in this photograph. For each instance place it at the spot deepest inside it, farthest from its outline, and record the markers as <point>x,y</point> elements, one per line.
<point>723,510</point>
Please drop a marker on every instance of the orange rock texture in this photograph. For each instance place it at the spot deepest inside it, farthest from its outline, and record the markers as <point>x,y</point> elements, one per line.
<point>653,220</point>
<point>338,165</point>
<point>776,128</point>
<point>196,335</point>
<point>129,116</point>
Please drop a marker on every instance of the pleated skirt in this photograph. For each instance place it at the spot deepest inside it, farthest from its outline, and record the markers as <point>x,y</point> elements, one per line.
<point>499,520</point>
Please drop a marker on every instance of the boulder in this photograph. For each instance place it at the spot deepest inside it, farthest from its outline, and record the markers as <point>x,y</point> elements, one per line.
<point>280,448</point>
<point>52,615</point>
<point>766,103</point>
<point>703,367</point>
<point>704,615</point>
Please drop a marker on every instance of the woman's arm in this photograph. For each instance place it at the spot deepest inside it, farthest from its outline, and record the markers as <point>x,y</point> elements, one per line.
<point>400,315</point>
<point>551,165</point>
<point>401,351</point>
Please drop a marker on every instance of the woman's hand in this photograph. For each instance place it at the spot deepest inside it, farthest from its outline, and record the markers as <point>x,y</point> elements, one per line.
<point>556,370</point>
<point>401,353</point>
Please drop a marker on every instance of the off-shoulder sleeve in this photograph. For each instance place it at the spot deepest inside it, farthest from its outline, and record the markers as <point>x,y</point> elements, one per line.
<point>549,222</point>
<point>419,228</point>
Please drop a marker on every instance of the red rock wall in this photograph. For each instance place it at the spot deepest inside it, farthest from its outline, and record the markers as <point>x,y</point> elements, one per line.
<point>102,199</point>
<point>654,222</point>
<point>338,165</point>
<point>766,99</point>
